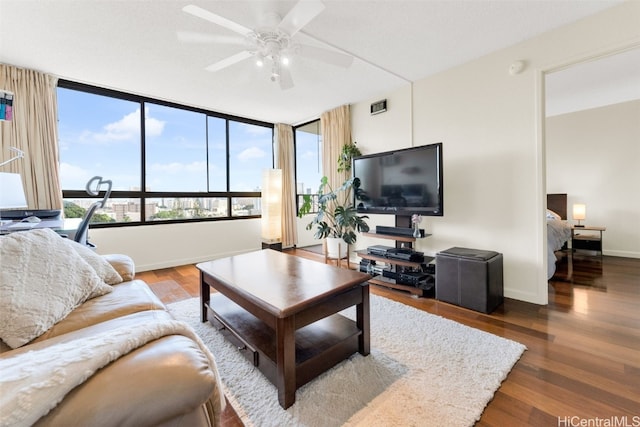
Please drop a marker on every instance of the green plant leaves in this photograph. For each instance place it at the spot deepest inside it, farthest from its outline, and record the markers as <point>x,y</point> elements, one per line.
<point>336,217</point>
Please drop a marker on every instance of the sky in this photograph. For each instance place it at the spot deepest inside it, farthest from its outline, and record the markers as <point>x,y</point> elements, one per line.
<point>99,135</point>
<point>309,168</point>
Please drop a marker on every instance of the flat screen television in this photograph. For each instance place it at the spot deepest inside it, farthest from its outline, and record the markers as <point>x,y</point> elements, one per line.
<point>401,182</point>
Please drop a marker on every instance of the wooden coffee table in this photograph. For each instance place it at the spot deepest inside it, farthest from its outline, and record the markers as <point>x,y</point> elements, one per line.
<point>281,311</point>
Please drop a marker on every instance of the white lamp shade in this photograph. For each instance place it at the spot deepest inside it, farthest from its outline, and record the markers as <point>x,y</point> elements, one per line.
<point>579,211</point>
<point>11,191</point>
<point>271,205</point>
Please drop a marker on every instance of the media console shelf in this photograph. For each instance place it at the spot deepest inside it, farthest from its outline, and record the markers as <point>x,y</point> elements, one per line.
<point>386,282</point>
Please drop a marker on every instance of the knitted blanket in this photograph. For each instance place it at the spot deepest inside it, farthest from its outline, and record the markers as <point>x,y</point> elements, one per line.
<point>33,383</point>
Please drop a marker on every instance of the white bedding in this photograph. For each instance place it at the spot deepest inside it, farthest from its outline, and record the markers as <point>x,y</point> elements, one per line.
<point>558,232</point>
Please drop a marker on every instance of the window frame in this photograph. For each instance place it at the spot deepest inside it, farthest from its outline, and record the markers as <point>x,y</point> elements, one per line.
<point>314,196</point>
<point>142,195</point>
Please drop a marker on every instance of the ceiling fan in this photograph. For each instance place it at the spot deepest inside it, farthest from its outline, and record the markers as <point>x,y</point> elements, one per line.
<point>272,42</point>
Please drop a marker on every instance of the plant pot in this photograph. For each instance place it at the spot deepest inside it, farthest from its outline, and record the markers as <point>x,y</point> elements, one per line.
<point>333,245</point>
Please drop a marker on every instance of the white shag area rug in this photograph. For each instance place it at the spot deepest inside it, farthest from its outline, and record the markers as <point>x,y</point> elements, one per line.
<point>423,370</point>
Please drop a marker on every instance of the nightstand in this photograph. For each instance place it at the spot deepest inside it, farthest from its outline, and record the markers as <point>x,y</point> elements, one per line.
<point>590,241</point>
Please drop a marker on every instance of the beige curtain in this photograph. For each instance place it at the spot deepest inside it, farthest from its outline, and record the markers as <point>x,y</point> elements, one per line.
<point>34,130</point>
<point>285,161</point>
<point>335,126</point>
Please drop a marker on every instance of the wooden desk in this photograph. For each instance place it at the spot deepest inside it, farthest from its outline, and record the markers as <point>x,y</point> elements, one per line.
<point>61,226</point>
<point>281,311</point>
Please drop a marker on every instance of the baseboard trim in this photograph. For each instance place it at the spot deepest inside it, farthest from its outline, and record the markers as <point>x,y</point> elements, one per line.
<point>186,261</point>
<point>523,296</point>
<point>622,254</point>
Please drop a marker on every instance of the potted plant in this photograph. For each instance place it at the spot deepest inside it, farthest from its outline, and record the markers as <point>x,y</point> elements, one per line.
<point>349,151</point>
<point>336,217</point>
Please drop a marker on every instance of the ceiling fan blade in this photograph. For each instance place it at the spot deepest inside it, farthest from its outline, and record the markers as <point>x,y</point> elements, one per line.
<point>301,14</point>
<point>329,56</point>
<point>229,61</point>
<point>286,82</point>
<point>194,37</point>
<point>216,19</point>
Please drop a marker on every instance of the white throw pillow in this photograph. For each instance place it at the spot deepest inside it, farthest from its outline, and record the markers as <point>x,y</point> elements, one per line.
<point>42,279</point>
<point>552,215</point>
<point>123,264</point>
<point>102,267</point>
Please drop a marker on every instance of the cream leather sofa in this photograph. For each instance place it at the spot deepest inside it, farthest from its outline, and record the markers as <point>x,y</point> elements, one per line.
<point>166,382</point>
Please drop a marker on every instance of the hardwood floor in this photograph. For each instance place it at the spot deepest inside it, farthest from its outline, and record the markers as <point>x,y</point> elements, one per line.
<point>583,359</point>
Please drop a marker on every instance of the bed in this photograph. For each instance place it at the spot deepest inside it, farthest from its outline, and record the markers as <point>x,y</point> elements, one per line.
<point>558,230</point>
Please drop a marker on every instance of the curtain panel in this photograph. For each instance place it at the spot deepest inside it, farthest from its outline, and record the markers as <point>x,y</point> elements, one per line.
<point>285,161</point>
<point>34,130</point>
<point>335,126</point>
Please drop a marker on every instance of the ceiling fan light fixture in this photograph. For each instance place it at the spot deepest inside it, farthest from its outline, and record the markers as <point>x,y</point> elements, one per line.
<point>272,40</point>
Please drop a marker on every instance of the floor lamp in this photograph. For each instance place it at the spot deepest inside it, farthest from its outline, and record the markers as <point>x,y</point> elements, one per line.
<point>272,209</point>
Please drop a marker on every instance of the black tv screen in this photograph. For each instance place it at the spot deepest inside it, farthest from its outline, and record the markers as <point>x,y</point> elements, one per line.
<point>401,182</point>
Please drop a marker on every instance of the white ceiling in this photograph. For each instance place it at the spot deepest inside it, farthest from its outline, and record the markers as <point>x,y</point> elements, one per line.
<point>132,46</point>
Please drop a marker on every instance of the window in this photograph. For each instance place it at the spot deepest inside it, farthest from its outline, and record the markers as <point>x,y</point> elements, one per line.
<point>250,153</point>
<point>175,149</point>
<point>98,135</point>
<point>217,153</point>
<point>164,208</point>
<point>167,162</point>
<point>308,143</point>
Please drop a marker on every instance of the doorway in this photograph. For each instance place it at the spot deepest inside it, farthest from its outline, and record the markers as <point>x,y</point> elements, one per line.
<point>591,134</point>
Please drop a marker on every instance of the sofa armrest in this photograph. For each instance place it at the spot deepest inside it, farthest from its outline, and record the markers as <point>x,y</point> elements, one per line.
<point>123,264</point>
<point>166,379</point>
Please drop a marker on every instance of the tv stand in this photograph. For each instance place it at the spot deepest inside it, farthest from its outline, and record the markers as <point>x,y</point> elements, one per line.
<point>396,263</point>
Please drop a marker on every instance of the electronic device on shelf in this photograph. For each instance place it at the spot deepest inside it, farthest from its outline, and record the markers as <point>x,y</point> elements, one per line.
<point>370,267</point>
<point>405,254</point>
<point>401,267</point>
<point>416,279</point>
<point>366,265</point>
<point>411,278</point>
<point>378,270</point>
<point>402,254</point>
<point>430,266</point>
<point>397,231</point>
<point>379,250</point>
<point>401,182</point>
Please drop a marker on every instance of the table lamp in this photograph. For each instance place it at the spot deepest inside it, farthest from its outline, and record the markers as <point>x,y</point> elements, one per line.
<point>11,191</point>
<point>579,213</point>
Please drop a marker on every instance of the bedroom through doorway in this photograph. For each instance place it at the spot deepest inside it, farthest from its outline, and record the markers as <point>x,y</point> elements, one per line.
<point>590,144</point>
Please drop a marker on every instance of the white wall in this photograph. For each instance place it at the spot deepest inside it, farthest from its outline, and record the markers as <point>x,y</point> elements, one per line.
<point>594,157</point>
<point>491,125</point>
<point>372,137</point>
<point>161,246</point>
<point>385,131</point>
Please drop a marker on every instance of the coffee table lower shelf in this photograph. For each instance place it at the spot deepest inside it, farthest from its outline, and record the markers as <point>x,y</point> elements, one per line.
<point>318,346</point>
